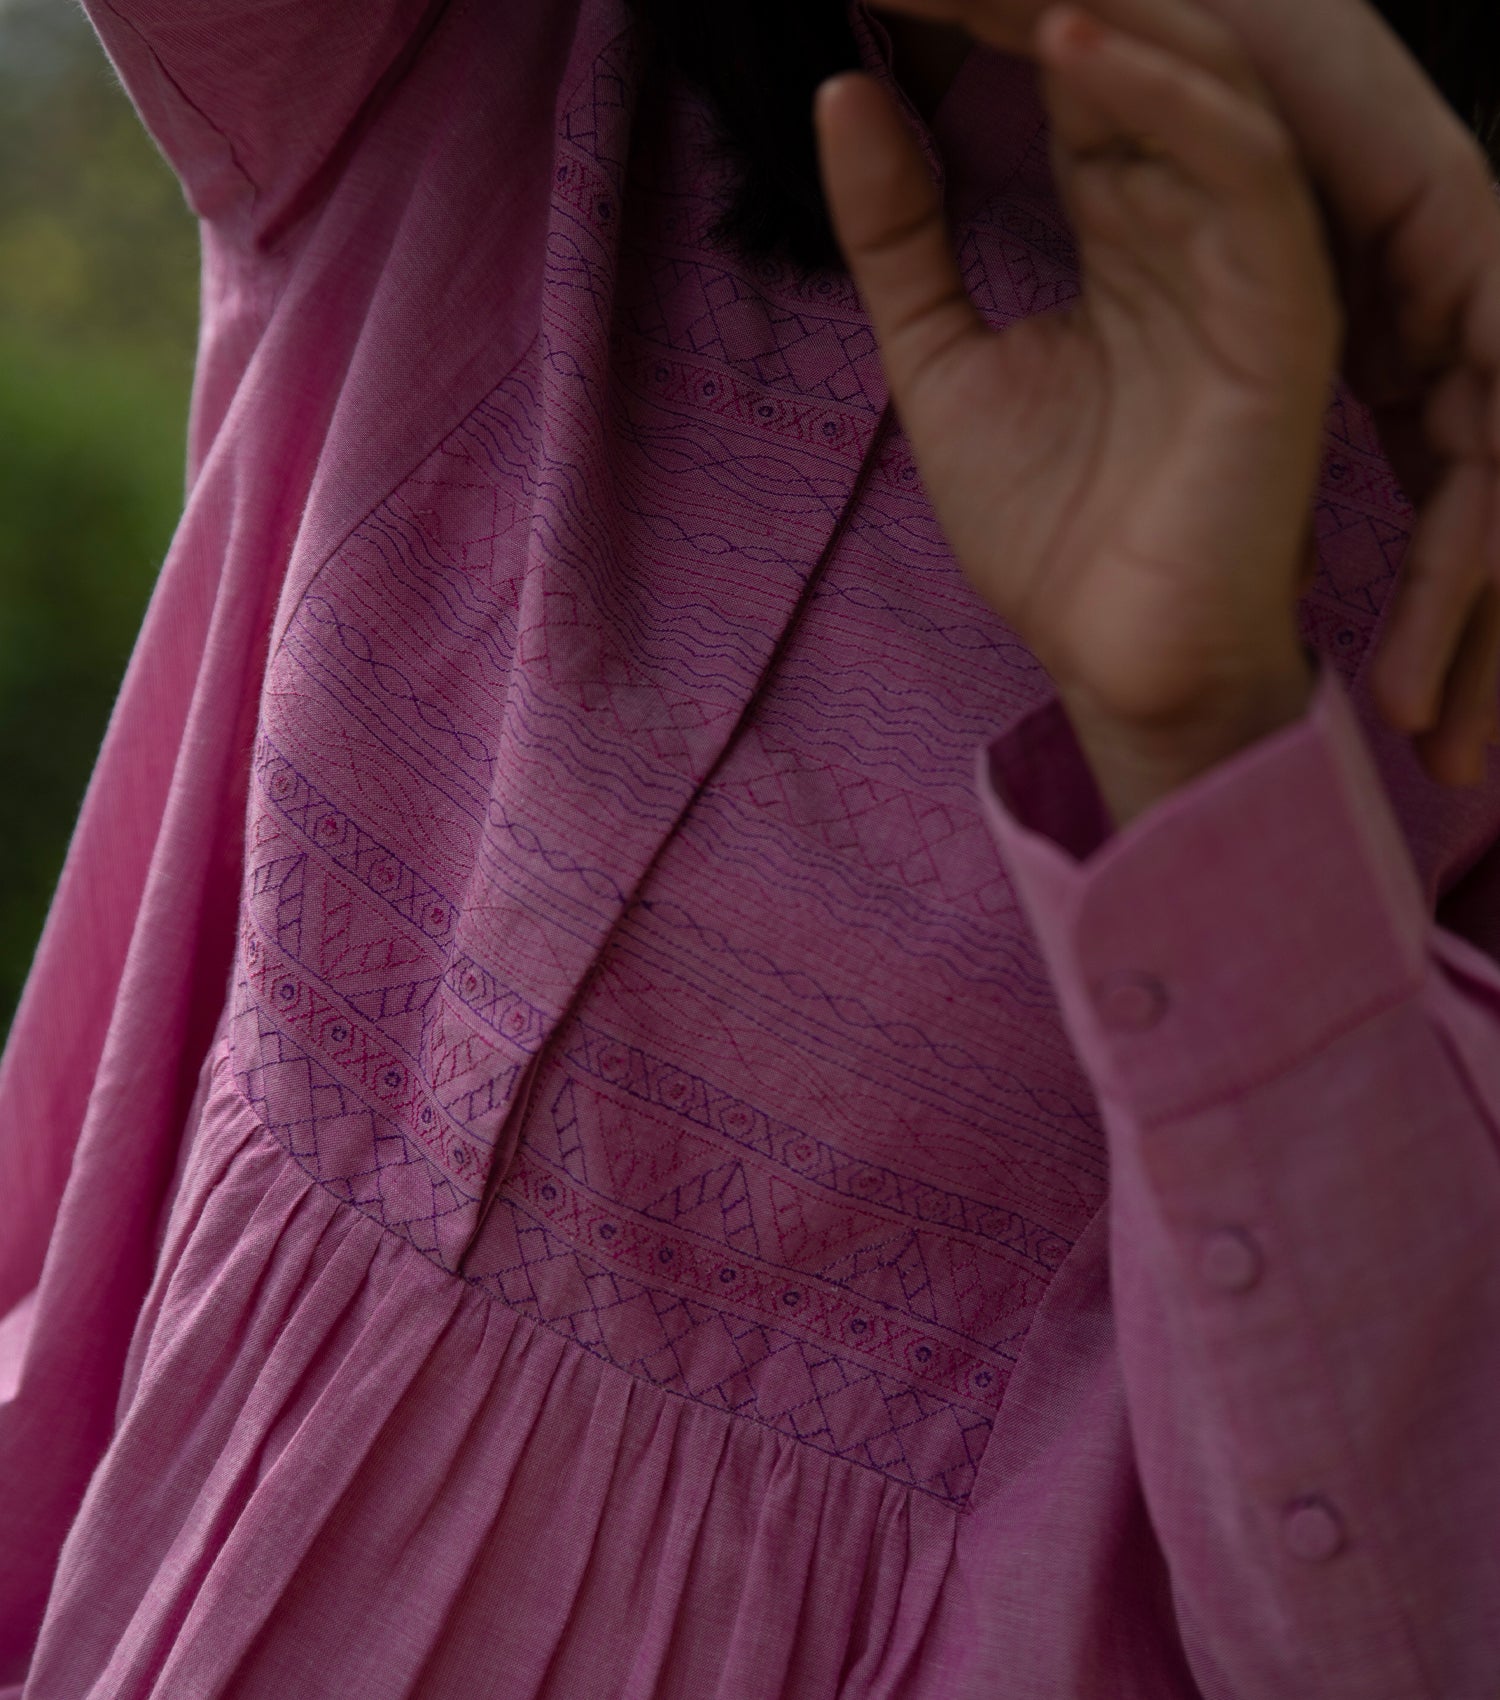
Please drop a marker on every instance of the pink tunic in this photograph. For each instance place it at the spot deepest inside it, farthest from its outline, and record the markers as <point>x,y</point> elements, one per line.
<point>562,1141</point>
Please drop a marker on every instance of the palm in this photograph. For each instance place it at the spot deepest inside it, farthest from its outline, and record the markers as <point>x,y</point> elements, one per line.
<point>1122,502</point>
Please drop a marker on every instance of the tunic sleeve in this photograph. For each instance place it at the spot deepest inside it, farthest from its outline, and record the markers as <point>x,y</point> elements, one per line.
<point>1299,1074</point>
<point>255,102</point>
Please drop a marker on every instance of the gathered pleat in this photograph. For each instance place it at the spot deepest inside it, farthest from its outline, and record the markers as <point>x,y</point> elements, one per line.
<point>333,1456</point>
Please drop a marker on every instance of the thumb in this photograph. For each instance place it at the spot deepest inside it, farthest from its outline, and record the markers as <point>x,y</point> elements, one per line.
<point>889,221</point>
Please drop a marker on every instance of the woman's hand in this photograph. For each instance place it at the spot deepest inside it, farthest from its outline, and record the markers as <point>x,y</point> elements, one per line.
<point>1129,481</point>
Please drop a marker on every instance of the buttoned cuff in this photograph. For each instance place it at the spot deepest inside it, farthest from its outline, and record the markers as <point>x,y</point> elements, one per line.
<point>1230,929</point>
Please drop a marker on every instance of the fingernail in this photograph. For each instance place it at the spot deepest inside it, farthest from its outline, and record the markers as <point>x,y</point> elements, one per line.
<point>1084,31</point>
<point>821,93</point>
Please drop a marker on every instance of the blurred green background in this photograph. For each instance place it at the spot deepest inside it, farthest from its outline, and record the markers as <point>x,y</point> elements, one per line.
<point>98,316</point>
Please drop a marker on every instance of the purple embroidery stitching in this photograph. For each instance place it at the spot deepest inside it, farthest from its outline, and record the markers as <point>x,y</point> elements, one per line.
<point>479,787</point>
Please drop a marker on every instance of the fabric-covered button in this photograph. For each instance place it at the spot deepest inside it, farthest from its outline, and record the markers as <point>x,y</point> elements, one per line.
<point>1130,1002</point>
<point>1312,1530</point>
<point>1230,1261</point>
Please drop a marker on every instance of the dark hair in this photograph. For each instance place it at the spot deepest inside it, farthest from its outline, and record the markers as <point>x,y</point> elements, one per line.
<point>757,63</point>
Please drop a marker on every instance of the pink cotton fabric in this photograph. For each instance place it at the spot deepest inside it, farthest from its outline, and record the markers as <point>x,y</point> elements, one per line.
<point>598,1114</point>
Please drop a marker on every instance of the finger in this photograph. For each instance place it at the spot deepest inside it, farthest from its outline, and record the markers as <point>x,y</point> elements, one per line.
<point>1456,752</point>
<point>1228,146</point>
<point>888,218</point>
<point>1183,27</point>
<point>1444,570</point>
<point>1393,158</point>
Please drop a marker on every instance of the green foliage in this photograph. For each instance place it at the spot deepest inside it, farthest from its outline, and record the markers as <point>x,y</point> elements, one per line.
<point>98,309</point>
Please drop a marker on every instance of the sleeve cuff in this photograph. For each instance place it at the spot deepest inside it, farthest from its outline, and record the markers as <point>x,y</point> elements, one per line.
<point>1239,924</point>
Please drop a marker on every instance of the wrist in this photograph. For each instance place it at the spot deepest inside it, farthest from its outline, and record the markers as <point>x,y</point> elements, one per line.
<point>1136,767</point>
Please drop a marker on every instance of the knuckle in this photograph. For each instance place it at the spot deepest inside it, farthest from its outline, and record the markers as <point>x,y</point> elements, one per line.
<point>896,240</point>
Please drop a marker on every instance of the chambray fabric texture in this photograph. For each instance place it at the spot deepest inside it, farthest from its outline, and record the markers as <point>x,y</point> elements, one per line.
<point>598,1115</point>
